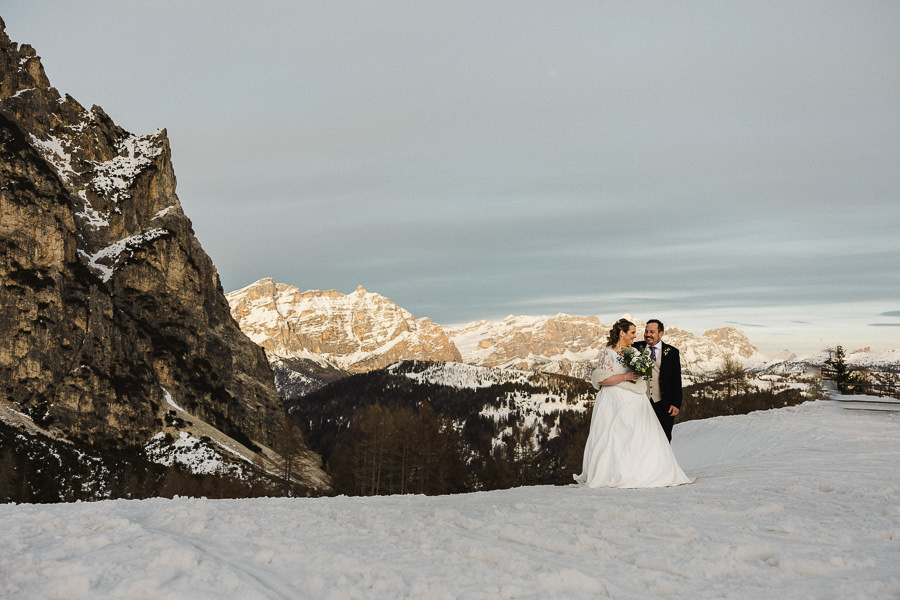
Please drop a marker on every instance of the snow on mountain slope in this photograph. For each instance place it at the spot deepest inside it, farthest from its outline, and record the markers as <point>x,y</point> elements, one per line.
<point>187,440</point>
<point>799,502</point>
<point>356,332</point>
<point>552,344</point>
<point>569,344</point>
<point>463,376</point>
<point>536,399</point>
<point>705,353</point>
<point>362,331</point>
<point>862,357</point>
<point>104,186</point>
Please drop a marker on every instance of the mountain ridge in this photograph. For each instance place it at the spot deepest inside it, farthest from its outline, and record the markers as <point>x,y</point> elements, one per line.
<point>562,344</point>
<point>109,305</point>
<point>353,332</point>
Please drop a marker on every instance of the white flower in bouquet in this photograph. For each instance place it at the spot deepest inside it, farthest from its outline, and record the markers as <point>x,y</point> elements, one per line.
<point>639,362</point>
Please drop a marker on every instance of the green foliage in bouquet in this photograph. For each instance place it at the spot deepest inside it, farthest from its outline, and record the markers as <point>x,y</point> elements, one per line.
<point>639,362</point>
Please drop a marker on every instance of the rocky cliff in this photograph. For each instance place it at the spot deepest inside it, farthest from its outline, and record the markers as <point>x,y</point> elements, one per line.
<point>363,331</point>
<point>356,332</point>
<point>569,344</point>
<point>562,344</point>
<point>108,303</point>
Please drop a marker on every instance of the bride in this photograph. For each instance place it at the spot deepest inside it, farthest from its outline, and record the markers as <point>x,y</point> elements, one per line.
<point>626,446</point>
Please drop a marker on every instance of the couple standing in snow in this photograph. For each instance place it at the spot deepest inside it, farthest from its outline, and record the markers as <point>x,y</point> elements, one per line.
<point>631,427</point>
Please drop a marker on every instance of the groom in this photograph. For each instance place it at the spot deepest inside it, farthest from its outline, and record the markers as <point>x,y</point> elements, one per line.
<point>664,388</point>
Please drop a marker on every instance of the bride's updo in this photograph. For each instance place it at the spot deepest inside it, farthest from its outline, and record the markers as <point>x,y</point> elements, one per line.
<point>621,326</point>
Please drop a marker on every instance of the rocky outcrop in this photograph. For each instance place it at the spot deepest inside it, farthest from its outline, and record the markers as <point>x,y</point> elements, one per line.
<point>707,352</point>
<point>562,344</point>
<point>108,303</point>
<point>355,333</point>
<point>568,344</point>
<point>363,331</point>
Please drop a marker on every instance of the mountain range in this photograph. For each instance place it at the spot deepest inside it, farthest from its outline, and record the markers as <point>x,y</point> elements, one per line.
<point>314,336</point>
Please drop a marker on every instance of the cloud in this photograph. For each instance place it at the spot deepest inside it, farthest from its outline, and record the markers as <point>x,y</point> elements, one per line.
<point>884,324</point>
<point>891,313</point>
<point>744,324</point>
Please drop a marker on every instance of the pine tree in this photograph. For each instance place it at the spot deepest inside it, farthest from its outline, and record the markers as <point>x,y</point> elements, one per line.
<point>840,371</point>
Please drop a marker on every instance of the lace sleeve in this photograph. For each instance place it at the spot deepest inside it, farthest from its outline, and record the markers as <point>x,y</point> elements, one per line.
<point>607,360</point>
<point>605,367</point>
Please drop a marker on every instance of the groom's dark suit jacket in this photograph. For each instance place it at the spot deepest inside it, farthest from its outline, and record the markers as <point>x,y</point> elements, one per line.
<point>669,385</point>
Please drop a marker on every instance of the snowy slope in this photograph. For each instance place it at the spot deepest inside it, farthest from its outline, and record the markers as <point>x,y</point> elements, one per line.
<point>861,357</point>
<point>538,403</point>
<point>461,376</point>
<point>358,332</point>
<point>567,344</point>
<point>528,340</point>
<point>104,186</point>
<point>801,502</point>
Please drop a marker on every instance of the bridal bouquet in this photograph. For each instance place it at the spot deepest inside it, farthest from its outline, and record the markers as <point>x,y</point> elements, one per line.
<point>639,362</point>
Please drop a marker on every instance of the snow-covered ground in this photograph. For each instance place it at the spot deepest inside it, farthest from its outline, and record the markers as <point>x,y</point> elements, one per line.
<point>801,502</point>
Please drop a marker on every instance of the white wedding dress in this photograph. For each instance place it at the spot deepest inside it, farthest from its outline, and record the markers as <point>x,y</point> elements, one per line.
<point>626,446</point>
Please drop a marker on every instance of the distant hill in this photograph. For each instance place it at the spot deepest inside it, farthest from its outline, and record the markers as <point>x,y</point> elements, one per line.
<point>502,419</point>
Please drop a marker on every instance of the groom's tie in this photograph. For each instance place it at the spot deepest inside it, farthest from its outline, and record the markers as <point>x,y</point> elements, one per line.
<point>653,353</point>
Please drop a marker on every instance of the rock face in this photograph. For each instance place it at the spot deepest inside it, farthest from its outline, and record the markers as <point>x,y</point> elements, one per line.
<point>568,344</point>
<point>362,331</point>
<point>707,352</point>
<point>562,344</point>
<point>357,332</point>
<point>107,300</point>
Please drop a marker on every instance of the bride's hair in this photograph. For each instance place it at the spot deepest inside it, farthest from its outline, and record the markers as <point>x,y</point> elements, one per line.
<point>621,326</point>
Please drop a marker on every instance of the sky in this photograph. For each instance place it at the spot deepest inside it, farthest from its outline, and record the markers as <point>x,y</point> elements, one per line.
<point>710,164</point>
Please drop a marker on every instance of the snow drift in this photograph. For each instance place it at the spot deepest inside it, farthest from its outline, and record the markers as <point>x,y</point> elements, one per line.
<point>789,503</point>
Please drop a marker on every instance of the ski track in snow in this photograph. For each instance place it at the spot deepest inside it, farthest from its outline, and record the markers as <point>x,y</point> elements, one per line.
<point>801,502</point>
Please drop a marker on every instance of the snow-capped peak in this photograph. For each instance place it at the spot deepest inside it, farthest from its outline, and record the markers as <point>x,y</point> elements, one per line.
<point>357,331</point>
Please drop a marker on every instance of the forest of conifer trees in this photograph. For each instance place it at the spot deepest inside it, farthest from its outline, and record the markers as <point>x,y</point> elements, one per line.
<point>382,433</point>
